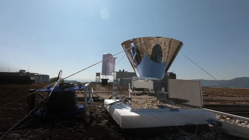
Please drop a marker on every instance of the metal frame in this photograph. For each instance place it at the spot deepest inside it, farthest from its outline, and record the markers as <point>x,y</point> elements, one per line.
<point>87,88</point>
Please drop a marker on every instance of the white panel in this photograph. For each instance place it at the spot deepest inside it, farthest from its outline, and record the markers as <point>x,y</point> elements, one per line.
<point>143,83</point>
<point>189,90</point>
<point>147,118</point>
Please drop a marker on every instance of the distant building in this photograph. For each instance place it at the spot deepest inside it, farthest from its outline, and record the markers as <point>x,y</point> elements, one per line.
<point>41,78</point>
<point>121,74</point>
<point>22,75</point>
<point>124,77</point>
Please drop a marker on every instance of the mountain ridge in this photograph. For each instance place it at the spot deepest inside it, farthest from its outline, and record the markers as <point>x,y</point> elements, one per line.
<point>238,82</point>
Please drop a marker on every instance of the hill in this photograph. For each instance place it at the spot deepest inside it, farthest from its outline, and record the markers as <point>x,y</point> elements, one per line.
<point>239,82</point>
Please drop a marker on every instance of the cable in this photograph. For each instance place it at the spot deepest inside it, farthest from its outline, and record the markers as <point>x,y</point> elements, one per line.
<point>61,79</point>
<point>100,61</point>
<point>26,95</point>
<point>5,134</point>
<point>119,101</point>
<point>70,75</point>
<point>120,59</point>
<point>91,66</point>
<point>203,69</point>
<point>58,80</point>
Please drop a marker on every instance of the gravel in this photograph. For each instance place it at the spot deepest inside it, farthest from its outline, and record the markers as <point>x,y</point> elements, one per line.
<point>232,120</point>
<point>151,104</point>
<point>225,103</point>
<point>97,125</point>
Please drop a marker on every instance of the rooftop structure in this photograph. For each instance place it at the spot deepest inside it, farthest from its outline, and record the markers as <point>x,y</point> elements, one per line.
<point>121,74</point>
<point>22,77</point>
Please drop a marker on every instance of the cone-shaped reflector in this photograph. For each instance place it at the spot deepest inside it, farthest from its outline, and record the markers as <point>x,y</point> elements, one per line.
<point>151,56</point>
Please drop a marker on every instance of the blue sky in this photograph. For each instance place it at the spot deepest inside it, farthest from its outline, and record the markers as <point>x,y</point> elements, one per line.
<point>70,35</point>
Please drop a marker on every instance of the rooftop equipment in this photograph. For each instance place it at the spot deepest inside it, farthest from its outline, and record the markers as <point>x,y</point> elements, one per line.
<point>61,101</point>
<point>151,56</point>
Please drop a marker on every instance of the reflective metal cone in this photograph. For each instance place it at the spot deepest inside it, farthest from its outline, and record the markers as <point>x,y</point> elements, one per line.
<point>151,56</point>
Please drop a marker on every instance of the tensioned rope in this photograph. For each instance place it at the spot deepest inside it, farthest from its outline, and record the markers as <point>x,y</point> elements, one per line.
<point>72,74</point>
<point>203,69</point>
<point>59,79</point>
<point>6,133</point>
<point>75,74</point>
<point>120,59</point>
